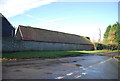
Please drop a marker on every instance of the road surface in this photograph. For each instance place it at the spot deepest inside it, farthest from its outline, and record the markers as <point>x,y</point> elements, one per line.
<point>88,66</point>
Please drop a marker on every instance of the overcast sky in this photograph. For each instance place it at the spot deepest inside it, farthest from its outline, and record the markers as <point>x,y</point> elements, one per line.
<point>76,17</point>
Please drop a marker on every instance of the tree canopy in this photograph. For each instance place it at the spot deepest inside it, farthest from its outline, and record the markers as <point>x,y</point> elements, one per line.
<point>112,34</point>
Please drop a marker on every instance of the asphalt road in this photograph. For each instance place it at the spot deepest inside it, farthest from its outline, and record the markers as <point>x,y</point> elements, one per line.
<point>82,67</point>
<point>105,69</point>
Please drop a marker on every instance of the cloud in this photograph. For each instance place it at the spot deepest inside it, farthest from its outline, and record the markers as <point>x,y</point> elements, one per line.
<point>57,19</point>
<point>87,0</point>
<point>48,24</point>
<point>41,19</point>
<point>44,20</point>
<point>11,8</point>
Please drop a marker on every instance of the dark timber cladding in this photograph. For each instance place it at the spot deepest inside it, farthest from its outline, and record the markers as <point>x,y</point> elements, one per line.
<point>7,29</point>
<point>43,35</point>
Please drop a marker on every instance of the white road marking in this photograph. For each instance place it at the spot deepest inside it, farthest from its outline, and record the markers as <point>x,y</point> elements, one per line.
<point>105,61</point>
<point>60,77</point>
<point>78,76</point>
<point>83,73</point>
<point>69,74</point>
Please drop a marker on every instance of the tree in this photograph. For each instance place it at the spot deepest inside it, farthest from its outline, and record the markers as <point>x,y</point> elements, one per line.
<point>112,34</point>
<point>117,37</point>
<point>107,31</point>
<point>105,40</point>
<point>111,37</point>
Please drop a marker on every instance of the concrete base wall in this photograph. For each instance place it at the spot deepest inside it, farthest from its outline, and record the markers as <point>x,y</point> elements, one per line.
<point>10,45</point>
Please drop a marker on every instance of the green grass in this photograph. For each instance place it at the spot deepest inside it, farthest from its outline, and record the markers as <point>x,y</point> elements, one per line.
<point>99,51</point>
<point>29,54</point>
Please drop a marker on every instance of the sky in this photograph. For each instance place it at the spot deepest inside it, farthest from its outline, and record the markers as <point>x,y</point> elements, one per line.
<point>70,16</point>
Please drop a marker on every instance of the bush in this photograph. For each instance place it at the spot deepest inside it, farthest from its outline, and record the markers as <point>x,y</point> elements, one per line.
<point>100,46</point>
<point>112,47</point>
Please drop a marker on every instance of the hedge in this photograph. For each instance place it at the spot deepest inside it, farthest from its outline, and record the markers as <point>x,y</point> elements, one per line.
<point>100,46</point>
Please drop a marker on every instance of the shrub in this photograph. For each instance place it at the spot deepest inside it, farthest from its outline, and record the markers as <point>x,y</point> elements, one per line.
<point>100,46</point>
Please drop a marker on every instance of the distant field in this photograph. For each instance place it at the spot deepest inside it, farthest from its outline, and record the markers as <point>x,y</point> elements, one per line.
<point>44,54</point>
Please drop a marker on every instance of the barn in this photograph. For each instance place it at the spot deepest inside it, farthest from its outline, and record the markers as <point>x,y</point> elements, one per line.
<point>63,41</point>
<point>37,39</point>
<point>7,29</point>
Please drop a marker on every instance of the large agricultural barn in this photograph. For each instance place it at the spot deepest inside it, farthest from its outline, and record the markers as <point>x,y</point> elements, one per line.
<point>36,39</point>
<point>43,35</point>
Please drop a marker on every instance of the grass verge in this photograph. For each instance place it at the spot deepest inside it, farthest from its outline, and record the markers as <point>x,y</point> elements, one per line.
<point>48,54</point>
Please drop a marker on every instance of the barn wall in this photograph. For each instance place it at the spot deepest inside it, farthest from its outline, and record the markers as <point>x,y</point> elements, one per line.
<point>7,29</point>
<point>10,45</point>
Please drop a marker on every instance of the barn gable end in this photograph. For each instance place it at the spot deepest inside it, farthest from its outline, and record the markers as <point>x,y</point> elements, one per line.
<point>7,29</point>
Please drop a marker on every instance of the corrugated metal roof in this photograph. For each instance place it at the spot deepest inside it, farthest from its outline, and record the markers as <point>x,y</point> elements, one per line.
<point>38,34</point>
